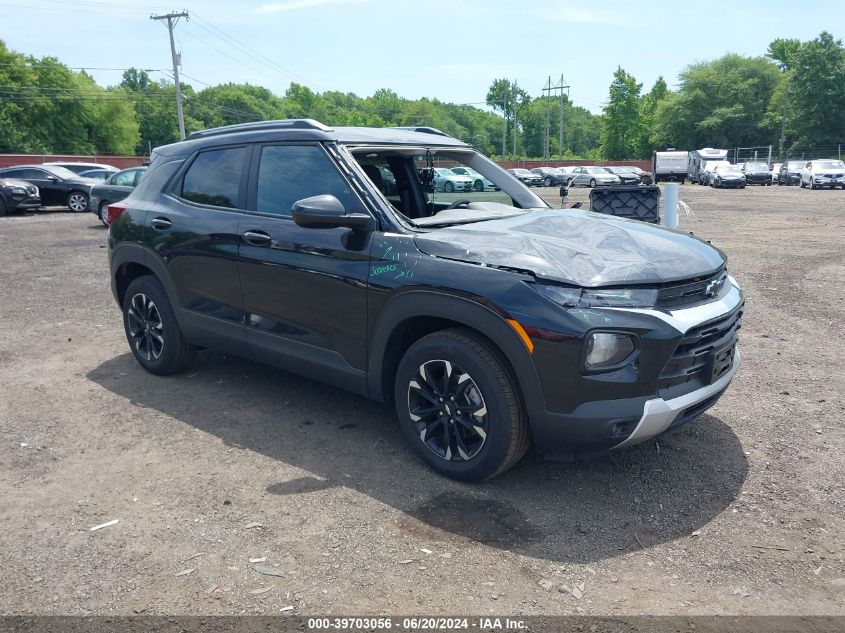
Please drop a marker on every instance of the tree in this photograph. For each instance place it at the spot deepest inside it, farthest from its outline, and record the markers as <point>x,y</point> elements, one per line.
<point>721,103</point>
<point>817,91</point>
<point>620,129</point>
<point>508,98</point>
<point>645,143</point>
<point>783,53</point>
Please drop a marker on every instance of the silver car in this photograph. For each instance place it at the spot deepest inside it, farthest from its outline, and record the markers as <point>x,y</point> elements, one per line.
<point>823,173</point>
<point>592,176</point>
<point>479,182</point>
<point>446,180</point>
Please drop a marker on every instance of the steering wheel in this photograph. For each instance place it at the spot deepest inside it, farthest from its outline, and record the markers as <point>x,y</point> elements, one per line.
<point>458,203</point>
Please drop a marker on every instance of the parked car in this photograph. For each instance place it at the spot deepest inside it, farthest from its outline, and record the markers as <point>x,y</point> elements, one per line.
<point>474,319</point>
<point>626,176</point>
<point>446,180</point>
<point>78,168</point>
<point>17,196</point>
<point>116,188</point>
<point>98,174</point>
<point>551,176</point>
<point>706,170</point>
<point>727,176</point>
<point>757,173</point>
<point>57,186</point>
<point>526,177</point>
<point>823,173</point>
<point>646,177</point>
<point>592,176</point>
<point>774,172</point>
<point>790,172</point>
<point>480,183</point>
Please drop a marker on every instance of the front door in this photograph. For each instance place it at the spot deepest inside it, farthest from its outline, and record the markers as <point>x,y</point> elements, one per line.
<point>305,290</point>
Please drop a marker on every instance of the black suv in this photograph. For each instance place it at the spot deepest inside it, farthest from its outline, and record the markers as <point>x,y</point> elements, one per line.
<point>488,318</point>
<point>17,195</point>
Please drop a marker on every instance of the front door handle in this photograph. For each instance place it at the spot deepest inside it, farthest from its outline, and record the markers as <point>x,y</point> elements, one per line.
<point>161,223</point>
<point>257,238</point>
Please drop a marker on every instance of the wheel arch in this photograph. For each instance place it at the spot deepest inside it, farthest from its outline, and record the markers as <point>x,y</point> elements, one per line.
<point>411,315</point>
<point>130,261</point>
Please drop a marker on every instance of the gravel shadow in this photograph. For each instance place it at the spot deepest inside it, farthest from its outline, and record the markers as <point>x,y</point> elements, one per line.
<point>570,512</point>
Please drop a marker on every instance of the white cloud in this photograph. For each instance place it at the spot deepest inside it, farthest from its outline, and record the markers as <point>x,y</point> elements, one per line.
<point>294,5</point>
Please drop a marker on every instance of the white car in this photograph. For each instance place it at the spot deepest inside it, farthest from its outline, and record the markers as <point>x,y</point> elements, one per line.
<point>446,180</point>
<point>480,183</point>
<point>823,173</point>
<point>775,172</point>
<point>591,176</point>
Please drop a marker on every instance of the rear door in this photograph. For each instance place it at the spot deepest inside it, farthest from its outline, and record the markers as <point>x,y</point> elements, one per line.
<point>193,232</point>
<point>305,290</point>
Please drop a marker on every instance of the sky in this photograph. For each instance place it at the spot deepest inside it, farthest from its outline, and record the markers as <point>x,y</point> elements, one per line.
<point>451,50</point>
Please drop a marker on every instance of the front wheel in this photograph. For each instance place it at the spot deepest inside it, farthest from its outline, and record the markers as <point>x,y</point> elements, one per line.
<point>547,182</point>
<point>459,407</point>
<point>812,184</point>
<point>448,187</point>
<point>478,186</point>
<point>592,183</point>
<point>151,328</point>
<point>2,207</point>
<point>77,201</point>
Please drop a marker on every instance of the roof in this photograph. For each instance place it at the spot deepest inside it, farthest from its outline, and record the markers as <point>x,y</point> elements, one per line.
<point>310,130</point>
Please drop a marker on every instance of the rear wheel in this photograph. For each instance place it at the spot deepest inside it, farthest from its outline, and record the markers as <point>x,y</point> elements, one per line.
<point>547,182</point>
<point>104,213</point>
<point>592,182</point>
<point>151,328</point>
<point>459,407</point>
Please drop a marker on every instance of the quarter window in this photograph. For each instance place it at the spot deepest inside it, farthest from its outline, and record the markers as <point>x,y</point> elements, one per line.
<point>214,178</point>
<point>288,173</point>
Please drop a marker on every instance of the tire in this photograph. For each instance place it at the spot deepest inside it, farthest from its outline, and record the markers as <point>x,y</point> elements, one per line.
<point>478,186</point>
<point>104,212</point>
<point>592,183</point>
<point>77,201</point>
<point>812,184</point>
<point>151,329</point>
<point>2,207</point>
<point>448,187</point>
<point>475,447</point>
<point>547,182</point>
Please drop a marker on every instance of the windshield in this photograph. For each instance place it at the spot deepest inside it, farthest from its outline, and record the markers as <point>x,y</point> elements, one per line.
<point>795,165</point>
<point>61,172</point>
<point>829,164</point>
<point>597,170</point>
<point>729,169</point>
<point>756,167</point>
<point>522,172</point>
<point>463,186</point>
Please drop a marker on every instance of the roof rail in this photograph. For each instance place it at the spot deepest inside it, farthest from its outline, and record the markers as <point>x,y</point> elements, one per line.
<point>424,129</point>
<point>278,124</point>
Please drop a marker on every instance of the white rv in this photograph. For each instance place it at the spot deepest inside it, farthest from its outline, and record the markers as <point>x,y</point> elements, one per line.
<point>669,165</point>
<point>699,157</point>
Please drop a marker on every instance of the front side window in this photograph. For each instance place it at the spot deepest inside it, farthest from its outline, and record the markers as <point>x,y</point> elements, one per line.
<point>214,178</point>
<point>124,179</point>
<point>288,173</point>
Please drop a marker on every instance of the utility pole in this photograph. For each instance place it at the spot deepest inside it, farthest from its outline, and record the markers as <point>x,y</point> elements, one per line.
<point>172,19</point>
<point>559,87</point>
<point>547,129</point>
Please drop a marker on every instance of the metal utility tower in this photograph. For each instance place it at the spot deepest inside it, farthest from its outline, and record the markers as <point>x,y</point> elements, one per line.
<point>172,19</point>
<point>550,88</point>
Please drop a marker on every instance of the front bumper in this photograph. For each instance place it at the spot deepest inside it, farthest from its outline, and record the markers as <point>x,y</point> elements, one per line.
<point>758,179</point>
<point>730,183</point>
<point>659,415</point>
<point>18,204</point>
<point>617,413</point>
<point>827,181</point>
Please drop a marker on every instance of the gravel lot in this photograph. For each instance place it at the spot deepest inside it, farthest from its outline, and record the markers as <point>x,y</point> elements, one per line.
<point>740,512</point>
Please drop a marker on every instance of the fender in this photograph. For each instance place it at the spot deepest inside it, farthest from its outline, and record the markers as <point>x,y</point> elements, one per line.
<point>129,253</point>
<point>474,315</point>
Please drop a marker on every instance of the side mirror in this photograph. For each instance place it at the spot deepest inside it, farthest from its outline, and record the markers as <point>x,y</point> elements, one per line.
<point>53,178</point>
<point>326,212</point>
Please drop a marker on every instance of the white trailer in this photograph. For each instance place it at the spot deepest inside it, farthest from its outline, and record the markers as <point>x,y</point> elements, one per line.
<point>699,157</point>
<point>669,165</point>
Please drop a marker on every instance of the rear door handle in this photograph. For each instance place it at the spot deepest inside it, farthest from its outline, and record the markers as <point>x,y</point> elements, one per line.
<point>257,238</point>
<point>161,223</point>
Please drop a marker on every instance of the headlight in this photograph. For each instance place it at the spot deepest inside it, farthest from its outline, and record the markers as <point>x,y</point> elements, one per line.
<point>599,297</point>
<point>20,191</point>
<point>606,349</point>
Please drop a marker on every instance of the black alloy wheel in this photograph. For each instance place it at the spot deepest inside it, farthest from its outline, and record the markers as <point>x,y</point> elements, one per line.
<point>144,326</point>
<point>459,406</point>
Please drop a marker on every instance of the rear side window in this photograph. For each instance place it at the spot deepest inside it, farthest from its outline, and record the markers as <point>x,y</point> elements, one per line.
<point>214,178</point>
<point>124,179</point>
<point>288,173</point>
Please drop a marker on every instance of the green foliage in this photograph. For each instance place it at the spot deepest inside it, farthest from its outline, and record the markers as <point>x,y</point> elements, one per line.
<point>817,91</point>
<point>620,131</point>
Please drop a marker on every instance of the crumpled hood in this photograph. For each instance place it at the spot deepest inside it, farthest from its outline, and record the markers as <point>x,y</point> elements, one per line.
<point>577,247</point>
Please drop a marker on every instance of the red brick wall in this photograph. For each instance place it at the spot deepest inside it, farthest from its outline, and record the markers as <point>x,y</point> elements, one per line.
<point>531,164</point>
<point>121,162</point>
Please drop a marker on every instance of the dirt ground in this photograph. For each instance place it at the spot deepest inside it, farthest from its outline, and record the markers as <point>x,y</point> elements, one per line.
<point>740,512</point>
